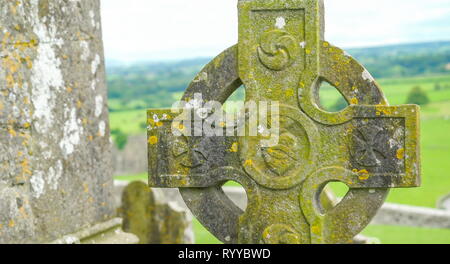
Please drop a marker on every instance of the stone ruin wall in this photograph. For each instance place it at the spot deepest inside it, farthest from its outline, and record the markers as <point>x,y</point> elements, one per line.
<point>132,159</point>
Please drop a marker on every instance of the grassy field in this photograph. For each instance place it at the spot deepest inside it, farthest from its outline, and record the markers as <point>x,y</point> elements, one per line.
<point>435,142</point>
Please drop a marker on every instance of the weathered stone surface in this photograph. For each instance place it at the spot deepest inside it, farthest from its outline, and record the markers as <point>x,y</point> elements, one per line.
<point>389,214</point>
<point>281,56</point>
<point>109,232</point>
<point>148,215</point>
<point>405,215</point>
<point>55,173</point>
<point>444,203</point>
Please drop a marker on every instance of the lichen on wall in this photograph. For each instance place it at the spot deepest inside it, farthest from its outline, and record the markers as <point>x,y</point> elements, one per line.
<point>53,120</point>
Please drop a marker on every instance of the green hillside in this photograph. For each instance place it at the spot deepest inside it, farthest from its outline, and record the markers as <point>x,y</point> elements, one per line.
<point>158,84</point>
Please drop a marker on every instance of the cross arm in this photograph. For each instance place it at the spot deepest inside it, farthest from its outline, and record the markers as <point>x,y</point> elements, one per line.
<point>179,161</point>
<point>380,145</point>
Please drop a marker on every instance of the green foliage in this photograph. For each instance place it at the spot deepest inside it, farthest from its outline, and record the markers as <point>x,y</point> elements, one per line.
<point>437,87</point>
<point>339,105</point>
<point>417,96</point>
<point>120,138</point>
<point>145,85</point>
<point>327,95</point>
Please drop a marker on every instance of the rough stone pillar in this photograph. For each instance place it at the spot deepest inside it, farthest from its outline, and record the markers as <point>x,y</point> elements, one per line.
<point>55,175</point>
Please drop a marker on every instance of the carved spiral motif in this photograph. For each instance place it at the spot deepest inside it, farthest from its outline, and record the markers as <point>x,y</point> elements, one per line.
<point>278,49</point>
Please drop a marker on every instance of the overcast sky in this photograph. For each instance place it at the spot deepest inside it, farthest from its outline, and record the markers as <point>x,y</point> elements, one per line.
<point>154,30</point>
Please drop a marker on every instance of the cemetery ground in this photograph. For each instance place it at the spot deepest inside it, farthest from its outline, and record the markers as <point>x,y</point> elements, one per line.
<point>435,136</point>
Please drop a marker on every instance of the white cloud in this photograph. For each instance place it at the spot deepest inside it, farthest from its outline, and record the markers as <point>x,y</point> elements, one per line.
<point>173,29</point>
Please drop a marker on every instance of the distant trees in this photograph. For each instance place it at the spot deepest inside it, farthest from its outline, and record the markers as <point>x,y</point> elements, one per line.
<point>143,125</point>
<point>417,96</point>
<point>440,87</point>
<point>437,87</point>
<point>120,138</point>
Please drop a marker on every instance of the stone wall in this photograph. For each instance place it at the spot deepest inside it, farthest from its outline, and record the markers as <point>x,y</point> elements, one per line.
<point>133,158</point>
<point>55,157</point>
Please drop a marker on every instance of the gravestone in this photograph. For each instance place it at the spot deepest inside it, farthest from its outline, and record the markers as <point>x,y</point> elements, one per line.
<point>282,57</point>
<point>148,214</point>
<point>55,162</point>
<point>444,203</point>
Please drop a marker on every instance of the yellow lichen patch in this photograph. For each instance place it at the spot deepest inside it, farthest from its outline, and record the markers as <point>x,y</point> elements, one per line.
<point>85,187</point>
<point>90,138</point>
<point>387,111</point>
<point>11,223</point>
<point>234,147</point>
<point>354,101</point>
<point>10,80</point>
<point>326,44</point>
<point>401,154</point>
<point>6,37</point>
<point>69,89</point>
<point>24,163</point>
<point>29,62</point>
<point>222,124</point>
<point>23,212</point>
<point>79,104</point>
<point>27,125</point>
<point>27,171</point>
<point>151,122</point>
<point>363,175</point>
<point>315,230</point>
<point>248,163</point>
<point>1,106</point>
<point>153,140</point>
<point>12,132</point>
<point>308,51</point>
<point>290,93</point>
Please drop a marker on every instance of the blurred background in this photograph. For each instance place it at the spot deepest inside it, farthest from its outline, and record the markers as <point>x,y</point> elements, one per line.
<point>155,48</point>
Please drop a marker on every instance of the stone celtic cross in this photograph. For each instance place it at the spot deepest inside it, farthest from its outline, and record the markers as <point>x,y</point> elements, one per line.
<point>282,56</point>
